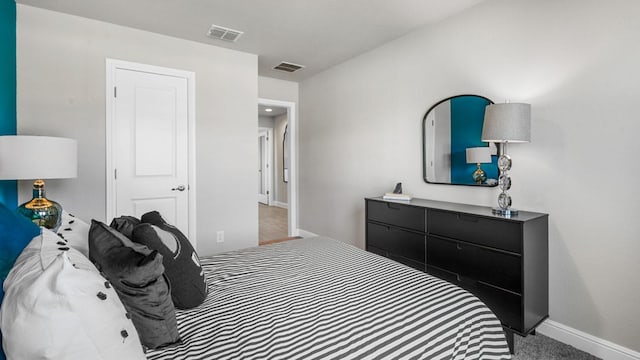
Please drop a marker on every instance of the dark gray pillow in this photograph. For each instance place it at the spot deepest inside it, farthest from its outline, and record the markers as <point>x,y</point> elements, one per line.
<point>136,273</point>
<point>125,225</point>
<point>181,263</point>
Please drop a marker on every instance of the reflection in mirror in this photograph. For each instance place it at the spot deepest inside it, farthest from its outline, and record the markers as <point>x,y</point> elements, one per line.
<point>451,130</point>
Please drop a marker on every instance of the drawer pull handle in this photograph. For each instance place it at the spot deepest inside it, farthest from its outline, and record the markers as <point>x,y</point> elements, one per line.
<point>390,206</point>
<point>458,246</point>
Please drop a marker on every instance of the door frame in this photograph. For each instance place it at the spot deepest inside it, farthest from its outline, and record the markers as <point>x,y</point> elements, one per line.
<point>112,65</point>
<point>292,192</point>
<point>269,158</point>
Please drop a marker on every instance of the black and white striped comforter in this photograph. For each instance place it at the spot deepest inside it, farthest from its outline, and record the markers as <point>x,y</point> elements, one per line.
<point>319,298</point>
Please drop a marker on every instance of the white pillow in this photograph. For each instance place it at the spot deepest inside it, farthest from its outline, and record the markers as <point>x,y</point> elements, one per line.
<point>58,306</point>
<point>75,232</point>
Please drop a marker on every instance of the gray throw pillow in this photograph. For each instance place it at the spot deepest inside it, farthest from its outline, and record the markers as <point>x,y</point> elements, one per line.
<point>181,263</point>
<point>136,273</point>
<point>125,225</point>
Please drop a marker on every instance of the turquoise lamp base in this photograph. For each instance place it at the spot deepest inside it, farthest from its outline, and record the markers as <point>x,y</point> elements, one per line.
<point>479,176</point>
<point>40,210</point>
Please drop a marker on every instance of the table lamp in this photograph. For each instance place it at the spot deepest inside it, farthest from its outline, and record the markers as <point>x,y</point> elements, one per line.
<point>503,124</point>
<point>36,158</point>
<point>478,155</point>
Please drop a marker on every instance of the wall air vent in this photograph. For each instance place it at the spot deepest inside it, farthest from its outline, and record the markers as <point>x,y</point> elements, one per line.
<point>288,67</point>
<point>223,33</point>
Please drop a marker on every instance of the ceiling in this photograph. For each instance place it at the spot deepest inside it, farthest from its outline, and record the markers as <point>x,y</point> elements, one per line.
<point>315,33</point>
<point>275,110</point>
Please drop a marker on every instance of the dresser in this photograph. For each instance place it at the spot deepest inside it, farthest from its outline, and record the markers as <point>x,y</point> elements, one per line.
<point>503,261</point>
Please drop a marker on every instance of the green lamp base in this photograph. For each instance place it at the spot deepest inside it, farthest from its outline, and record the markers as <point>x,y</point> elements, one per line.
<point>479,176</point>
<point>40,210</point>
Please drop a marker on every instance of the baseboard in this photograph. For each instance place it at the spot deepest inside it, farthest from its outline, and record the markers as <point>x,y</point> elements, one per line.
<point>593,345</point>
<point>280,204</point>
<point>305,234</point>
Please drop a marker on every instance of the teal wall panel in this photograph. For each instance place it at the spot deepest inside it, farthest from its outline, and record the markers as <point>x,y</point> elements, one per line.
<point>8,189</point>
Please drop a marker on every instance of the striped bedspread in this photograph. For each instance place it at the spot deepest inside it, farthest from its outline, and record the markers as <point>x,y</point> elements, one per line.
<point>318,298</point>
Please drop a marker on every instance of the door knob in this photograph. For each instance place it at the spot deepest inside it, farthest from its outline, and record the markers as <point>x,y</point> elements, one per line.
<point>179,188</point>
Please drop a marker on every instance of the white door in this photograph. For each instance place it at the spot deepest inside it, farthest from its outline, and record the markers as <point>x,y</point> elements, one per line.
<point>150,145</point>
<point>264,165</point>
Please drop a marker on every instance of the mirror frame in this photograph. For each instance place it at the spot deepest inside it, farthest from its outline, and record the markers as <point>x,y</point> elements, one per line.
<point>424,141</point>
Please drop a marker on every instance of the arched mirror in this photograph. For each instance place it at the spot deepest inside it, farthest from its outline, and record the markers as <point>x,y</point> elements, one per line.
<point>453,152</point>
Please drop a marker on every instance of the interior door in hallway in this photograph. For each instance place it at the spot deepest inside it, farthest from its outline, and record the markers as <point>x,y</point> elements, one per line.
<point>264,165</point>
<point>150,145</point>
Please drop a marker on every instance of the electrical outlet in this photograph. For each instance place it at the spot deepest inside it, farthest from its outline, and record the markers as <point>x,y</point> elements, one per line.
<point>220,236</point>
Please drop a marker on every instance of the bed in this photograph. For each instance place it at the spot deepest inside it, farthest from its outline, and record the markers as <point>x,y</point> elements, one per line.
<point>314,298</point>
<point>319,298</point>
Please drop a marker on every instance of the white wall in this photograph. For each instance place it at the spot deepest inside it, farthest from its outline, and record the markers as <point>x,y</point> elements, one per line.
<point>61,92</point>
<point>266,121</point>
<point>576,62</point>
<point>276,89</point>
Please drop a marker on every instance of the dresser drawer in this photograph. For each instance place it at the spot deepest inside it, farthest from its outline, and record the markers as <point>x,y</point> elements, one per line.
<point>398,243</point>
<point>507,306</point>
<point>411,263</point>
<point>477,263</point>
<point>504,235</point>
<point>401,215</point>
<point>375,250</point>
<point>403,260</point>
<point>504,304</point>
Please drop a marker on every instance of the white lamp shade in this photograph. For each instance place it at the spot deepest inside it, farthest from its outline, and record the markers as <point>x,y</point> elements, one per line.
<point>478,155</point>
<point>510,122</point>
<point>37,157</point>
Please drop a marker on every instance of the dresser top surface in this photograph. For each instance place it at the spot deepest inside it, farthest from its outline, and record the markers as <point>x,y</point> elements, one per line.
<point>464,208</point>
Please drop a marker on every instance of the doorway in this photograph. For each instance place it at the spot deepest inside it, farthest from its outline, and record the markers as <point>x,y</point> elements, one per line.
<point>150,148</point>
<point>276,213</point>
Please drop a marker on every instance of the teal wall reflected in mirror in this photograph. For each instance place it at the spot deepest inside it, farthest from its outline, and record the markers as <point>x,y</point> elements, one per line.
<point>466,131</point>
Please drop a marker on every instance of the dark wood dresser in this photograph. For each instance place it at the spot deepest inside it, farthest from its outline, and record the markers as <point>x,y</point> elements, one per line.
<point>503,261</point>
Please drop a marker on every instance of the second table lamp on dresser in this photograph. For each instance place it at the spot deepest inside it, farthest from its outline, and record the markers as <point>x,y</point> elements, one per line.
<point>506,123</point>
<point>37,158</point>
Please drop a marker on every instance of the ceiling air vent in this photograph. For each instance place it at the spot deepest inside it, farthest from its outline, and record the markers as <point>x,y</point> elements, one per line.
<point>288,67</point>
<point>223,33</point>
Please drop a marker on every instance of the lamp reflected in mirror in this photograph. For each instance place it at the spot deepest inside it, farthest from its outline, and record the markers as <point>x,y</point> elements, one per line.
<point>479,155</point>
